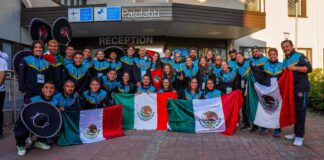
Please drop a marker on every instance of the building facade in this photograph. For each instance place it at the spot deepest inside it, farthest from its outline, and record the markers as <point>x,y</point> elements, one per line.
<point>218,25</point>
<point>280,19</point>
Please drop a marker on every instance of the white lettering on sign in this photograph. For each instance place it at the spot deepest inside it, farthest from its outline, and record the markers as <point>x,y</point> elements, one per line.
<point>140,14</point>
<point>125,40</point>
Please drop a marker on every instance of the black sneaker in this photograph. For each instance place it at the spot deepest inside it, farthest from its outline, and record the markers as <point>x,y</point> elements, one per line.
<point>254,129</point>
<point>245,127</point>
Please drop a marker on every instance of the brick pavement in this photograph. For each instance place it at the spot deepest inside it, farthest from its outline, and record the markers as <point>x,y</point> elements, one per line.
<point>169,145</point>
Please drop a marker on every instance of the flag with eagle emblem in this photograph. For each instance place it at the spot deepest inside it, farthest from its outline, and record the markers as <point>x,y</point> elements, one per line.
<point>205,115</point>
<point>272,106</point>
<point>88,126</point>
<point>144,111</point>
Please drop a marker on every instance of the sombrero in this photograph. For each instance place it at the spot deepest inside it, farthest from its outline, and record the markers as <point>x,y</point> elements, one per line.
<point>119,51</point>
<point>42,119</point>
<point>40,30</point>
<point>19,56</point>
<point>61,31</point>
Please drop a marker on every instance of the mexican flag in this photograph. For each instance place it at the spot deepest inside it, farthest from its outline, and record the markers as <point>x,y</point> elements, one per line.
<point>205,115</point>
<point>88,126</point>
<point>144,111</point>
<point>272,106</point>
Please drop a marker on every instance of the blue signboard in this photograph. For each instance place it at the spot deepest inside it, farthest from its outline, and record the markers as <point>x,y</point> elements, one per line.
<point>86,14</point>
<point>80,14</point>
<point>113,13</point>
<point>183,52</point>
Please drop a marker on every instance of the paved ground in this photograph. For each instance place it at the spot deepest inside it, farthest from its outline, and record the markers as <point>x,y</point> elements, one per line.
<point>170,145</point>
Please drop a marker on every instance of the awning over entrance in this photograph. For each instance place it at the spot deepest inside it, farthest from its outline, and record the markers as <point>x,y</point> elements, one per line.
<point>173,20</point>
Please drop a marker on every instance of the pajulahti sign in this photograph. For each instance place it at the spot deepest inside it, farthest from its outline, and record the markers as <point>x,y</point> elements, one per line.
<point>139,14</point>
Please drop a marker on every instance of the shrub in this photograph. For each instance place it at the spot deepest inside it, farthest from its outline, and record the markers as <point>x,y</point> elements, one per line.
<point>316,94</point>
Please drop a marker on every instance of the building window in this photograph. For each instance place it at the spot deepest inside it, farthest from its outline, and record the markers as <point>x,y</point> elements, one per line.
<point>301,8</point>
<point>307,52</point>
<point>253,5</point>
<point>247,51</point>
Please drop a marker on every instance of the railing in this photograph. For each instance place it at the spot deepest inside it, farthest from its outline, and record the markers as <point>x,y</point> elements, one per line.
<point>12,90</point>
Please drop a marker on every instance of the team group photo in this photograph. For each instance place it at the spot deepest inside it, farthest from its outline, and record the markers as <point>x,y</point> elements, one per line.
<point>156,96</point>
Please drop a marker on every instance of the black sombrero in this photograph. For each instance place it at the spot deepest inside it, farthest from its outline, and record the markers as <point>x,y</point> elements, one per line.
<point>19,56</point>
<point>119,51</point>
<point>40,30</point>
<point>42,119</point>
<point>61,31</point>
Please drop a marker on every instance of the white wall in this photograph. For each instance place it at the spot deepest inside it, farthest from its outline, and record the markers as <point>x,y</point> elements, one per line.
<point>310,31</point>
<point>10,28</point>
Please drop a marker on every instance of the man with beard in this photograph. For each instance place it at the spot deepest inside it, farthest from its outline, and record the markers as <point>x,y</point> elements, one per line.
<point>193,56</point>
<point>300,66</point>
<point>68,100</point>
<point>232,62</point>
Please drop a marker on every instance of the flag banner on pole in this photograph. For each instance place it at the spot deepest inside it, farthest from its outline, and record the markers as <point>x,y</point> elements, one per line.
<point>272,106</point>
<point>144,111</point>
<point>205,115</point>
<point>88,126</point>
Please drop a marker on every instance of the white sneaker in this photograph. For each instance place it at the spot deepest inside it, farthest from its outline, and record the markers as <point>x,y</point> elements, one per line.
<point>290,136</point>
<point>21,150</point>
<point>42,145</point>
<point>298,141</point>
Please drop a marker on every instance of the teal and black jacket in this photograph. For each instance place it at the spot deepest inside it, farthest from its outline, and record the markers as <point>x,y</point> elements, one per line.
<point>301,82</point>
<point>100,68</point>
<point>80,75</point>
<point>29,69</point>
<point>91,100</point>
<point>69,102</point>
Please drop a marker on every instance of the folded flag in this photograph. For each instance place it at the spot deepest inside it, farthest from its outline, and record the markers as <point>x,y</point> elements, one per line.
<point>205,115</point>
<point>88,126</point>
<point>157,78</point>
<point>272,106</point>
<point>144,111</point>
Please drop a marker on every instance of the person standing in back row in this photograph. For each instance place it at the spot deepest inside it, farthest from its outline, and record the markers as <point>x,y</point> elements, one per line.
<point>300,66</point>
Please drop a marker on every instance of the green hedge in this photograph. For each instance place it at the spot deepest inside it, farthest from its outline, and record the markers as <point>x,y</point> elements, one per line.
<point>316,95</point>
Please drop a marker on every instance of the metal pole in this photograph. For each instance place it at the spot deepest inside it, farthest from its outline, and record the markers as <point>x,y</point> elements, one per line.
<point>296,23</point>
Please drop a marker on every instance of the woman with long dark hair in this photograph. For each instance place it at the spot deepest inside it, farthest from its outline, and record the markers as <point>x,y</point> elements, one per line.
<point>211,91</point>
<point>193,91</point>
<point>125,86</point>
<point>166,86</point>
<point>204,72</point>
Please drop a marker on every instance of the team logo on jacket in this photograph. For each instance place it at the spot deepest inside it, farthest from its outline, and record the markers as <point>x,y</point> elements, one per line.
<point>269,103</point>
<point>91,132</point>
<point>210,120</point>
<point>146,113</point>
